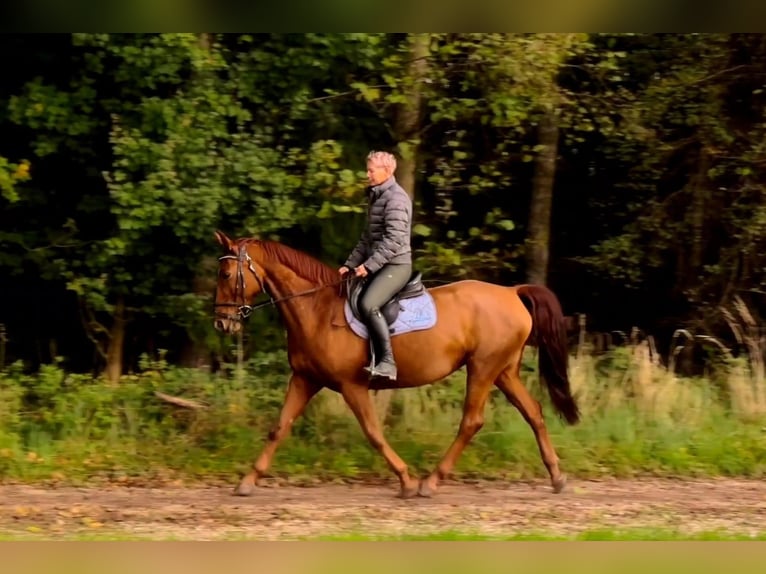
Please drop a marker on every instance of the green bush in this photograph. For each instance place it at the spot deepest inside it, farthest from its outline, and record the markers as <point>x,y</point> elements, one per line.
<point>637,418</point>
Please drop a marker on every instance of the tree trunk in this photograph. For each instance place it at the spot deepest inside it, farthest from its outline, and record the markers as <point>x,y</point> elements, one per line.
<point>697,211</point>
<point>196,353</point>
<point>115,348</point>
<point>538,238</point>
<point>3,340</point>
<point>408,117</point>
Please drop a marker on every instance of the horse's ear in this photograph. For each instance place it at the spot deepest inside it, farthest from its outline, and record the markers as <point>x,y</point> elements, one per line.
<point>223,239</point>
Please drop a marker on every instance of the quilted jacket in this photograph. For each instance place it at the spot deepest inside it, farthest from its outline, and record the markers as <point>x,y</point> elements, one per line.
<point>389,226</point>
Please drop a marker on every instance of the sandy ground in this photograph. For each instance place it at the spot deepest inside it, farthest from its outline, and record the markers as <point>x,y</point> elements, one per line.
<point>278,512</point>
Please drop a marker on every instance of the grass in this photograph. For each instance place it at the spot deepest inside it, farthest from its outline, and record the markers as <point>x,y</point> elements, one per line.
<point>639,418</point>
<point>628,534</point>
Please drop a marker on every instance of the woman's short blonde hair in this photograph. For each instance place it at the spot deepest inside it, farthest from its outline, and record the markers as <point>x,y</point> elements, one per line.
<point>383,158</point>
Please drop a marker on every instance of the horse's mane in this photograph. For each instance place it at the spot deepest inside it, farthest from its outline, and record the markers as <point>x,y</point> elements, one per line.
<point>304,265</point>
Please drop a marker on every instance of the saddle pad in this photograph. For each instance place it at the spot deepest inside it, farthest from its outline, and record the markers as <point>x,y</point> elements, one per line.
<point>417,314</point>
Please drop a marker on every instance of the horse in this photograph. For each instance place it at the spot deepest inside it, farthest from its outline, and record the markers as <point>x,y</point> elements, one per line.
<point>480,325</point>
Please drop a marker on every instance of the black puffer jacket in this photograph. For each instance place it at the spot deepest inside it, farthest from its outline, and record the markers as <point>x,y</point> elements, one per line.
<point>389,228</point>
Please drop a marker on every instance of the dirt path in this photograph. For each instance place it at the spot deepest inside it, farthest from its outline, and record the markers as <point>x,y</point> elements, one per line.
<point>288,512</point>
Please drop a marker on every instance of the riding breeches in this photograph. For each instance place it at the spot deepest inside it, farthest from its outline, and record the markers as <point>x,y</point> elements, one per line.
<point>383,286</point>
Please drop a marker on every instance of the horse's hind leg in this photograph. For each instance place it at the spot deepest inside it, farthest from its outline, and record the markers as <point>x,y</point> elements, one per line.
<point>478,386</point>
<point>509,382</point>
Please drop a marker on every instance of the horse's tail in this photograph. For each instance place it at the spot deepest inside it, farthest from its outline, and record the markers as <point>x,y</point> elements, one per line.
<point>549,330</point>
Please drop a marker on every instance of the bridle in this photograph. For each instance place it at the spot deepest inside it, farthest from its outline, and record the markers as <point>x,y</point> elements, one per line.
<point>243,309</point>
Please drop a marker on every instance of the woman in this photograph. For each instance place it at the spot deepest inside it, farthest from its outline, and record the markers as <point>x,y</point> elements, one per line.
<point>383,252</point>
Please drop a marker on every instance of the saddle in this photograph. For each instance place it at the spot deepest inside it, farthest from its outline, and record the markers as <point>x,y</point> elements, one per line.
<point>391,309</point>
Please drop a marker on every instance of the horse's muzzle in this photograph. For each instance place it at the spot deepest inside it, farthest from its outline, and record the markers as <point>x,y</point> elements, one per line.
<point>227,325</point>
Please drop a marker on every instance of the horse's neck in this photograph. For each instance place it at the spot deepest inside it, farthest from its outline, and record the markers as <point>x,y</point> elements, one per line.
<point>301,308</point>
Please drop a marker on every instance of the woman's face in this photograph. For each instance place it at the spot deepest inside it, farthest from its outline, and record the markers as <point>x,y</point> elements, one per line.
<point>377,173</point>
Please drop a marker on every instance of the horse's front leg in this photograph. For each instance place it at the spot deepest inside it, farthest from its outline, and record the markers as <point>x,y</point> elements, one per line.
<point>299,392</point>
<point>357,397</point>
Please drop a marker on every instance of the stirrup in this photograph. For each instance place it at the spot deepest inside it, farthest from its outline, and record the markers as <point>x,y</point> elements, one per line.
<point>374,372</point>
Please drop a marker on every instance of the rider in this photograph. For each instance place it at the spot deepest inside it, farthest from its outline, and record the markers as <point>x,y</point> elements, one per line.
<point>383,252</point>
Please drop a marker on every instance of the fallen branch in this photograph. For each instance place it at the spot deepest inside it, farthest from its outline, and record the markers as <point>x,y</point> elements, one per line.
<point>178,401</point>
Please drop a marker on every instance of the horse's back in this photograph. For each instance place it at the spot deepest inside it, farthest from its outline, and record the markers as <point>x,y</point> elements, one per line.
<point>483,303</point>
<point>491,293</point>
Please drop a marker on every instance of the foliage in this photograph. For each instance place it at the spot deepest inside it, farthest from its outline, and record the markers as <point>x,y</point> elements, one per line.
<point>690,204</point>
<point>638,418</point>
<point>123,152</point>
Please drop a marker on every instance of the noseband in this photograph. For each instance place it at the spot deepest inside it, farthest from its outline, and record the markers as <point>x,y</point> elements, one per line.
<point>243,309</point>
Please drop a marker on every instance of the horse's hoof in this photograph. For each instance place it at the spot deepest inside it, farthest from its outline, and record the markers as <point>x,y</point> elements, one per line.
<point>425,490</point>
<point>246,487</point>
<point>408,492</point>
<point>558,485</point>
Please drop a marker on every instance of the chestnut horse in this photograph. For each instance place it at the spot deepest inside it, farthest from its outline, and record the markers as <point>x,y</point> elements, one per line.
<point>481,326</point>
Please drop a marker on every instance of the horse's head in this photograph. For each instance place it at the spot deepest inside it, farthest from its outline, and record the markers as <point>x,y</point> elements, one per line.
<point>240,279</point>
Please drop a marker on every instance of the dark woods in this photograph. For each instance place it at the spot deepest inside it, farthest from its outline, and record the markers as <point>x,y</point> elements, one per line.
<point>625,171</point>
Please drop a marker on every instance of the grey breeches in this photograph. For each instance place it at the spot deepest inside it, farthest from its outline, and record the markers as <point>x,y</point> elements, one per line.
<point>384,285</point>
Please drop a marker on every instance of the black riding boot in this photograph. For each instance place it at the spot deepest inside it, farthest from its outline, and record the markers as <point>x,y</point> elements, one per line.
<point>378,328</point>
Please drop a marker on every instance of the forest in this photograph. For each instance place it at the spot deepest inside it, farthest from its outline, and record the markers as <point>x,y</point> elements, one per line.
<point>624,171</point>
